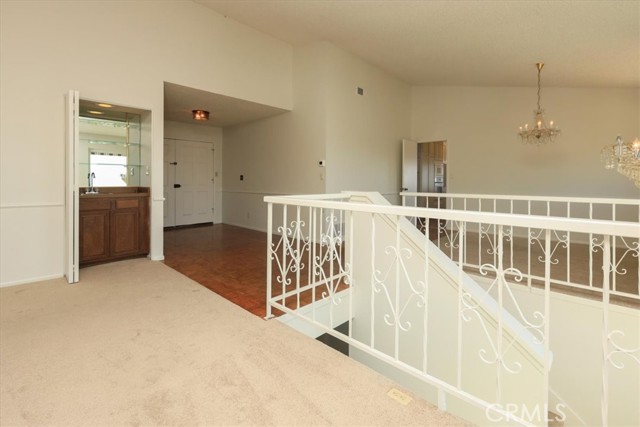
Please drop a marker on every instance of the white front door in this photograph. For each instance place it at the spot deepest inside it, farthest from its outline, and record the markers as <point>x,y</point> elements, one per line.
<point>169,179</point>
<point>188,186</point>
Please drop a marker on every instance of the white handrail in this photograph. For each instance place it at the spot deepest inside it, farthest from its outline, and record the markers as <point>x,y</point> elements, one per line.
<point>308,258</point>
<point>579,225</point>
<point>603,200</point>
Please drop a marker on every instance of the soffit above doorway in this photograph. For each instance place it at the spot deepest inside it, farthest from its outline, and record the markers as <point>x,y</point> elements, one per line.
<point>226,111</point>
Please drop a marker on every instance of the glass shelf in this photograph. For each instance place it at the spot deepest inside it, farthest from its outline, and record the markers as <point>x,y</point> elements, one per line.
<point>110,149</point>
<point>110,164</point>
<point>116,143</point>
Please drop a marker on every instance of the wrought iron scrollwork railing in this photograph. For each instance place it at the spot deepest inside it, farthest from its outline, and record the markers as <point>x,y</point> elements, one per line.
<point>525,250</point>
<point>334,258</point>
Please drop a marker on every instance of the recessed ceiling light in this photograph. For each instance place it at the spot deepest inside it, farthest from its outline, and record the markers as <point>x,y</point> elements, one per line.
<point>105,105</point>
<point>94,112</point>
<point>200,114</point>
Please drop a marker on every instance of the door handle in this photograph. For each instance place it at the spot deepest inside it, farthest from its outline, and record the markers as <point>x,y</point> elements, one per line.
<point>177,185</point>
<point>404,189</point>
<point>173,163</point>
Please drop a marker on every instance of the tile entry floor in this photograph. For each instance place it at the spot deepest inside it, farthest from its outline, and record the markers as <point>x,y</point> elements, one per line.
<point>229,260</point>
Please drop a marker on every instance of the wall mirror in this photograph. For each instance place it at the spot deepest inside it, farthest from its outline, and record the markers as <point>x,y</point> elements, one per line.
<point>109,148</point>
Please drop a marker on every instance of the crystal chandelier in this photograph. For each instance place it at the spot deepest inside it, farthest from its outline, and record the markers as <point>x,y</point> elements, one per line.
<point>540,132</point>
<point>625,157</point>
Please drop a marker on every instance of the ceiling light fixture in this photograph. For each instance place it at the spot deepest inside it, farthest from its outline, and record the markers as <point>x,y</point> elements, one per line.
<point>540,132</point>
<point>95,112</point>
<point>104,105</point>
<point>200,114</point>
<point>624,157</point>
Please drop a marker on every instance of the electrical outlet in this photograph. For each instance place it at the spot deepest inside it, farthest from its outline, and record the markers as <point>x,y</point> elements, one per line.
<point>400,397</point>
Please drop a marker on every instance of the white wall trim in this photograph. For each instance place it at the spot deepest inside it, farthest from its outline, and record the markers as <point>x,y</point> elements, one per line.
<point>265,193</point>
<point>207,141</point>
<point>30,280</point>
<point>321,308</point>
<point>281,193</point>
<point>31,205</point>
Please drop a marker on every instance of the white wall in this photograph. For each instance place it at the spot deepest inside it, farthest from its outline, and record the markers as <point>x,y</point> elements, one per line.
<point>364,132</point>
<point>357,136</point>
<point>209,134</point>
<point>576,342</point>
<point>485,154</point>
<point>278,155</point>
<point>50,47</point>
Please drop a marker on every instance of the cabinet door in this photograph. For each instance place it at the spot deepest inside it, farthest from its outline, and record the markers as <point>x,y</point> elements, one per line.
<point>125,228</point>
<point>94,235</point>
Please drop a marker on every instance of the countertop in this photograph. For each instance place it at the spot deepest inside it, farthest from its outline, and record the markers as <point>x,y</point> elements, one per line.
<point>115,192</point>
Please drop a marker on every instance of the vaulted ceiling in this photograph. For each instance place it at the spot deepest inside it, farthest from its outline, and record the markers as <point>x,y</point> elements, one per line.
<point>584,43</point>
<point>479,42</point>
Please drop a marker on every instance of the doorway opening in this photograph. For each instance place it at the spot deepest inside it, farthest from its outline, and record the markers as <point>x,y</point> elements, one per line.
<point>432,178</point>
<point>226,259</point>
<point>188,183</point>
<point>432,168</point>
<point>108,146</point>
<point>424,170</point>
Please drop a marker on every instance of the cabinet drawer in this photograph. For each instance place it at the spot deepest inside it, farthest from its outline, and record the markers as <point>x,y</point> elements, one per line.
<point>127,204</point>
<point>94,204</point>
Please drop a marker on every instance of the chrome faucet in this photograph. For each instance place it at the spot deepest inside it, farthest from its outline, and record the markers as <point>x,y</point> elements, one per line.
<point>91,189</point>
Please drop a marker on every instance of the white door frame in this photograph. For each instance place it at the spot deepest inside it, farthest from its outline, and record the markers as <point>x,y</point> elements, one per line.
<point>169,203</point>
<point>72,252</point>
<point>409,169</point>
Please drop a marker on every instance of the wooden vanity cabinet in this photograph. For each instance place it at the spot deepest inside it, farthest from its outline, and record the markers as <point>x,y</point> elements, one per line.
<point>113,228</point>
<point>95,229</point>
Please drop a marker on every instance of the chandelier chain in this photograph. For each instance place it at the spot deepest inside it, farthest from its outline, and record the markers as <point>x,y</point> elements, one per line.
<point>539,69</point>
<point>541,132</point>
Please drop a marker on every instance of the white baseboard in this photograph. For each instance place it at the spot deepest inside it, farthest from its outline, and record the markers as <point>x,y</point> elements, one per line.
<point>321,308</point>
<point>30,280</point>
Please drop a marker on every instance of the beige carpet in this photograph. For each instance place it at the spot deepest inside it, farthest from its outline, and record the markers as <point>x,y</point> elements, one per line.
<point>136,343</point>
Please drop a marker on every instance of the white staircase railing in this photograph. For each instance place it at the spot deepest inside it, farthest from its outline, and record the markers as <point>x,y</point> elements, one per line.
<point>524,249</point>
<point>416,309</point>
